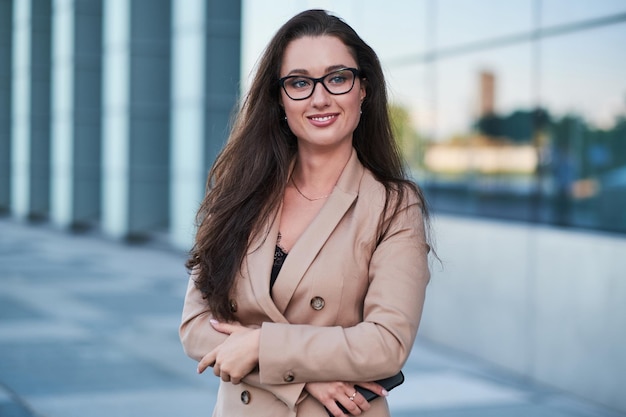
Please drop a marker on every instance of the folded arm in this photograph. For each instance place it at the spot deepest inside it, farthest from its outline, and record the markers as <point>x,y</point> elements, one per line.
<point>378,346</point>
<point>199,337</point>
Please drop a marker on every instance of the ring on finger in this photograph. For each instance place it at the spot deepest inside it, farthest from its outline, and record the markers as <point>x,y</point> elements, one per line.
<point>351,397</point>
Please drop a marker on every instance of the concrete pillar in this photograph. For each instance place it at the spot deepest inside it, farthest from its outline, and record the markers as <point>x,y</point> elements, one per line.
<point>6,59</point>
<point>76,96</point>
<point>135,117</point>
<point>205,87</point>
<point>30,147</point>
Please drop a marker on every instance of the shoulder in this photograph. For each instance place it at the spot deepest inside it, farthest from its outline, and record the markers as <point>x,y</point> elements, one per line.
<point>397,194</point>
<point>373,196</point>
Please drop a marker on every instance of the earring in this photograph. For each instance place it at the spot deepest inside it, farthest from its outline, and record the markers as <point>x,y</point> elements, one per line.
<point>285,118</point>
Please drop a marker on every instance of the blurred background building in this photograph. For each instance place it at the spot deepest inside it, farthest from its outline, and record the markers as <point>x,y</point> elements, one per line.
<point>512,116</point>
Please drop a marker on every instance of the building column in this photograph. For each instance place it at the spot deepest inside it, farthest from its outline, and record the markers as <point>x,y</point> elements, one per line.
<point>76,96</point>
<point>135,117</point>
<point>188,172</point>
<point>205,88</point>
<point>6,55</point>
<point>30,146</point>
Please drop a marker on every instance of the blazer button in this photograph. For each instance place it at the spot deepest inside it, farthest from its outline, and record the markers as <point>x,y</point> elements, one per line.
<point>233,306</point>
<point>245,397</point>
<point>289,377</point>
<point>317,303</point>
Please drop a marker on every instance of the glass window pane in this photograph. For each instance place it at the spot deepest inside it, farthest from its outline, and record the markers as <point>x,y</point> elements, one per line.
<point>559,12</point>
<point>411,110</point>
<point>482,159</point>
<point>584,89</point>
<point>394,29</point>
<point>460,22</point>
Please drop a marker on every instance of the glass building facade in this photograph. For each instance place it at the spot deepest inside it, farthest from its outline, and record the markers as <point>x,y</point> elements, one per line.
<point>517,110</point>
<point>512,110</point>
<point>112,111</point>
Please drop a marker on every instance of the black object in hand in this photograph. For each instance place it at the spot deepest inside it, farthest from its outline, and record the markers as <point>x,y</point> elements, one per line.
<point>387,383</point>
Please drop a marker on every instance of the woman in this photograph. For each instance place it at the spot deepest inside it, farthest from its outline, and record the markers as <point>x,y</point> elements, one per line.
<point>309,267</point>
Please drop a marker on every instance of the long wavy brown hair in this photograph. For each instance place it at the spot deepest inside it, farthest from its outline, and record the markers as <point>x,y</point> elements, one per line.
<point>247,181</point>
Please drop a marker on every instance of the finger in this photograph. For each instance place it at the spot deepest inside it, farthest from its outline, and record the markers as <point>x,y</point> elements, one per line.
<point>374,387</point>
<point>361,402</point>
<point>225,377</point>
<point>349,404</point>
<point>334,409</point>
<point>206,361</point>
<point>225,328</point>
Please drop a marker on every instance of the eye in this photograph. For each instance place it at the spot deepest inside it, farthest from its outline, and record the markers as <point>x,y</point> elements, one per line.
<point>339,77</point>
<point>298,83</point>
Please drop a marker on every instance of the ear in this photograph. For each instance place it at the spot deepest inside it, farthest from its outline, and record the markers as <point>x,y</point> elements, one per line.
<point>363,89</point>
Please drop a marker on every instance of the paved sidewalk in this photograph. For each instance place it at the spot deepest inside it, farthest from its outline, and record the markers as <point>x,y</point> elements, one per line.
<point>88,327</point>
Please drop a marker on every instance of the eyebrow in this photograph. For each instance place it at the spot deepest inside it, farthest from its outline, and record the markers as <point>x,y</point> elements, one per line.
<point>328,69</point>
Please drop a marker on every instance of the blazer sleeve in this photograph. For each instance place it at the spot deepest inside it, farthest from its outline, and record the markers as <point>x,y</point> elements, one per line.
<point>197,335</point>
<point>198,338</point>
<point>378,346</point>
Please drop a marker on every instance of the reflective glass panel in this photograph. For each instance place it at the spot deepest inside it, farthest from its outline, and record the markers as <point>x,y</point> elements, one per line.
<point>559,12</point>
<point>462,22</point>
<point>481,157</point>
<point>584,89</point>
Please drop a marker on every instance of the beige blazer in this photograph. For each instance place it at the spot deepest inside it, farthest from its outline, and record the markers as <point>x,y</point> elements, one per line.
<point>344,308</point>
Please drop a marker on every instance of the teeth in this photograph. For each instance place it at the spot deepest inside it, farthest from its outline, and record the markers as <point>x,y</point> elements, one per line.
<point>322,119</point>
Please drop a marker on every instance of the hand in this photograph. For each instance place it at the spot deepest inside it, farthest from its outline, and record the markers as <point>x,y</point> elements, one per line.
<point>328,393</point>
<point>237,356</point>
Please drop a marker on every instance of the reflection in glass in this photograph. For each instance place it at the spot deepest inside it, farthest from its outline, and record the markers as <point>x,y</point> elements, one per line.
<point>584,87</point>
<point>532,129</point>
<point>481,158</point>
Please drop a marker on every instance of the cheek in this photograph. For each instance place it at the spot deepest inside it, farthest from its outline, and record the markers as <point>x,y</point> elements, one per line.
<point>355,107</point>
<point>292,108</point>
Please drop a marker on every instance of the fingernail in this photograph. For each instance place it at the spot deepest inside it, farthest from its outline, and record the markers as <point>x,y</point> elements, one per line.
<point>385,392</point>
<point>213,321</point>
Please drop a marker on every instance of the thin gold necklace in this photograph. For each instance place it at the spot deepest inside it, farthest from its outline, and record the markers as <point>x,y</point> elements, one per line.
<point>308,198</point>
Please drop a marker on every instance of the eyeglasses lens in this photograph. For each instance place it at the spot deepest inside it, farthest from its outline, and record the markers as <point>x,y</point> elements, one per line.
<point>301,87</point>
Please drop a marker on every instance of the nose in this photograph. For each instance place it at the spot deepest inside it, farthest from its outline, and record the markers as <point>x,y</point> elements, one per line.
<point>320,97</point>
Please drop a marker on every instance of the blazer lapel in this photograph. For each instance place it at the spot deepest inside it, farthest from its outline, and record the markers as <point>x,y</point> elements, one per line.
<point>259,261</point>
<point>317,233</point>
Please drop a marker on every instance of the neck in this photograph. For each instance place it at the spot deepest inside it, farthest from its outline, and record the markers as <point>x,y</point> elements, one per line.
<point>321,197</point>
<point>317,174</point>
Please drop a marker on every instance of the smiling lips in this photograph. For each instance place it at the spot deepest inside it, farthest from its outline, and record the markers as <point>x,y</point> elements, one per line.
<point>322,119</point>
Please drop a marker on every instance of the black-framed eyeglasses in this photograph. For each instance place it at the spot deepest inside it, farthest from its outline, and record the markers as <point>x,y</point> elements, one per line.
<point>300,87</point>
